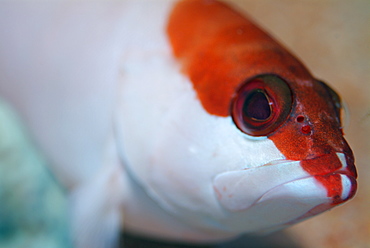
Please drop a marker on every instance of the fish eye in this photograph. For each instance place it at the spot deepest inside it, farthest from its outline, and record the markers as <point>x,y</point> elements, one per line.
<point>336,100</point>
<point>257,106</point>
<point>261,105</point>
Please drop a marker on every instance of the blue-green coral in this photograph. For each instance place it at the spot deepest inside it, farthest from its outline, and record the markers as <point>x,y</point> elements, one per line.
<point>33,207</point>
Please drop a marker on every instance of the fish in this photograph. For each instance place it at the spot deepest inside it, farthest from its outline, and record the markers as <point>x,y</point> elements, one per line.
<point>211,129</point>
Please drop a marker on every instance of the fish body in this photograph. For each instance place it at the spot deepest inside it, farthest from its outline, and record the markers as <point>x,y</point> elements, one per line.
<point>214,130</point>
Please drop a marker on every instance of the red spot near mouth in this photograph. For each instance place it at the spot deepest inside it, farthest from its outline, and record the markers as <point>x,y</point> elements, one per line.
<point>327,170</point>
<point>333,185</point>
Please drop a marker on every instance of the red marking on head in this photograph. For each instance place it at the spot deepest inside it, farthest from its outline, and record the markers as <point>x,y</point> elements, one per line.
<point>333,184</point>
<point>322,165</point>
<point>313,136</point>
<point>315,140</point>
<point>315,115</point>
<point>329,181</point>
<point>219,49</point>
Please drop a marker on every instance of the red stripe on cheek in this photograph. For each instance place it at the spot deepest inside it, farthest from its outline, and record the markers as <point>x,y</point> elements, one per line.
<point>322,165</point>
<point>219,49</point>
<point>333,185</point>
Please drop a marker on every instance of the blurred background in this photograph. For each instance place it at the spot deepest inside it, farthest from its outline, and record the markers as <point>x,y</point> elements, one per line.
<point>331,37</point>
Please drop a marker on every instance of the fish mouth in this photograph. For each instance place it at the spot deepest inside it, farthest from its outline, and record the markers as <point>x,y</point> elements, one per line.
<point>286,189</point>
<point>333,163</point>
<point>338,176</point>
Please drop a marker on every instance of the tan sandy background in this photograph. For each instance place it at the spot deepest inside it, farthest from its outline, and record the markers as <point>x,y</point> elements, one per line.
<point>333,39</point>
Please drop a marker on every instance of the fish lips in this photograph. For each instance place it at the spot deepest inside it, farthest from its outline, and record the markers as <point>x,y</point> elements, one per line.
<point>283,191</point>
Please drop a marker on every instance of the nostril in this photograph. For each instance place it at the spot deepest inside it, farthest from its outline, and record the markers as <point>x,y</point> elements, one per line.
<point>300,118</point>
<point>305,129</point>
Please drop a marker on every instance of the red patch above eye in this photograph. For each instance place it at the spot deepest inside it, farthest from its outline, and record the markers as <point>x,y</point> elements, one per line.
<point>218,48</point>
<point>261,105</point>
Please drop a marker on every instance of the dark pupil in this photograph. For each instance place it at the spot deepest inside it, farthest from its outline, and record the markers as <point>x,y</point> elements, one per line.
<point>257,106</point>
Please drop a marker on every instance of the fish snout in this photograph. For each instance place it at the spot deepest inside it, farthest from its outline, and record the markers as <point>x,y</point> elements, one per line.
<point>336,172</point>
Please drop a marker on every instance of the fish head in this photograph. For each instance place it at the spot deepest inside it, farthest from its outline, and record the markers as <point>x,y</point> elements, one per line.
<point>317,171</point>
<point>244,173</point>
<point>233,134</point>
